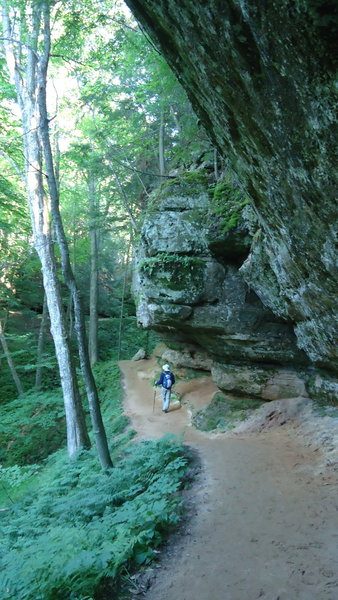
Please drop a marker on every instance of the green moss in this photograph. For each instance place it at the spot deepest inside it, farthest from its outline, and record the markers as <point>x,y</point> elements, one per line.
<point>188,184</point>
<point>224,412</point>
<point>227,202</point>
<point>174,272</point>
<point>191,178</point>
<point>177,346</point>
<point>179,269</point>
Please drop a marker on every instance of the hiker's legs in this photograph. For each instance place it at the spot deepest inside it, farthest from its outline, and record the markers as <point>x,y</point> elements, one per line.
<point>165,398</point>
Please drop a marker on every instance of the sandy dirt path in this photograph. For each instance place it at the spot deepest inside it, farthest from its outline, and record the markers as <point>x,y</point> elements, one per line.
<point>264,520</point>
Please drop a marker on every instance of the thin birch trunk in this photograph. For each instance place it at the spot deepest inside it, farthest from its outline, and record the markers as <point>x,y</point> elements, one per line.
<point>122,304</point>
<point>41,342</point>
<point>70,311</point>
<point>80,330</point>
<point>126,204</point>
<point>94,274</point>
<point>176,121</point>
<point>161,145</point>
<point>69,317</point>
<point>26,77</point>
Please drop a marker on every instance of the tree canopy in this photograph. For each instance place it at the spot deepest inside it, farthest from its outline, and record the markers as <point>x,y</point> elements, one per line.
<point>93,121</point>
<point>108,92</point>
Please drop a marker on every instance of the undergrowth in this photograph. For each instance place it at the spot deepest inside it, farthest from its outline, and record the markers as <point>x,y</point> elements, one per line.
<point>31,427</point>
<point>132,338</point>
<point>21,333</point>
<point>73,532</point>
<point>82,530</point>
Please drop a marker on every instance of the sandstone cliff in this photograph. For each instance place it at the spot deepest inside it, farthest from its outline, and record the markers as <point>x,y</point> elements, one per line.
<point>260,76</point>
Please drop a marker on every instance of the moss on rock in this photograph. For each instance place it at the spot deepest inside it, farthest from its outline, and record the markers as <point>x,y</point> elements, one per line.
<point>189,184</point>
<point>224,412</point>
<point>227,201</point>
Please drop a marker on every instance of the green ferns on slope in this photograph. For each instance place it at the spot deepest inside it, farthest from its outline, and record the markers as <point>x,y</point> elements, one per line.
<point>72,532</point>
<point>78,534</point>
<point>31,427</point>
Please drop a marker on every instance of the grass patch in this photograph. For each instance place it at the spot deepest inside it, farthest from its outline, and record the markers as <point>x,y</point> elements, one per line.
<point>224,412</point>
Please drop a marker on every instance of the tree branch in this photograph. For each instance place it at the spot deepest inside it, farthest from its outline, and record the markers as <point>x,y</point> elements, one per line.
<point>13,163</point>
<point>21,44</point>
<point>70,60</point>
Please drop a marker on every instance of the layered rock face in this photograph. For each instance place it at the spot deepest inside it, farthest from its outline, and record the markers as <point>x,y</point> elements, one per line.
<point>188,287</point>
<point>260,76</point>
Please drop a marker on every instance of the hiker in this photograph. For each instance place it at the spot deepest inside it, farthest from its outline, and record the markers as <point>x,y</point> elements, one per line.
<point>166,380</point>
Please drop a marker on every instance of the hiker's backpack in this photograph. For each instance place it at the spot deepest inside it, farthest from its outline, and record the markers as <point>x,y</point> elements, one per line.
<point>167,381</point>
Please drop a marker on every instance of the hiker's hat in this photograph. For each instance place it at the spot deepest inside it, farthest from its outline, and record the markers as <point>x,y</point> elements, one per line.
<point>166,368</point>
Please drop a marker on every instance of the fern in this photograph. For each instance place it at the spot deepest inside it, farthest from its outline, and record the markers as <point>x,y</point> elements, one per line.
<point>77,530</point>
<point>31,427</point>
<point>83,527</point>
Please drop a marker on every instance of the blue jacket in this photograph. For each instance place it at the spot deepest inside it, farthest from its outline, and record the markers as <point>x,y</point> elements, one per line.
<point>161,379</point>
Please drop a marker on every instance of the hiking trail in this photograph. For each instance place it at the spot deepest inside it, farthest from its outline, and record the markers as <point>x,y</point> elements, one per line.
<point>262,514</point>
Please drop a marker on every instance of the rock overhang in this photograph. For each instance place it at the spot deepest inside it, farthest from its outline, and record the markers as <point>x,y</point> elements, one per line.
<point>262,80</point>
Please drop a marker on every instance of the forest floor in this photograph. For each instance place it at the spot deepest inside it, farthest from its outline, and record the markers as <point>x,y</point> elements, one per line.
<point>262,511</point>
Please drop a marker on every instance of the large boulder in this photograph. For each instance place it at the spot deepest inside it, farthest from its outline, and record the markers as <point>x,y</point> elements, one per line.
<point>197,298</point>
<point>265,383</point>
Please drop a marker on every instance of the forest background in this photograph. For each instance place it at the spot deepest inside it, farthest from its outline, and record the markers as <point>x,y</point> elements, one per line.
<point>92,122</point>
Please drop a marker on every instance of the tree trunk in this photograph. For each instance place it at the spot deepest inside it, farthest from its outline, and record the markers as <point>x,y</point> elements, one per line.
<point>77,436</point>
<point>122,303</point>
<point>9,359</point>
<point>161,145</point>
<point>176,121</point>
<point>126,204</point>
<point>94,273</point>
<point>70,312</point>
<point>80,330</point>
<point>41,341</point>
<point>69,317</point>
<point>25,77</point>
